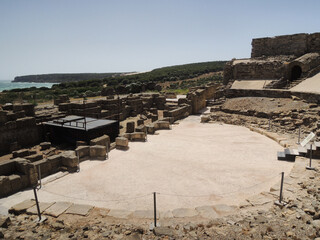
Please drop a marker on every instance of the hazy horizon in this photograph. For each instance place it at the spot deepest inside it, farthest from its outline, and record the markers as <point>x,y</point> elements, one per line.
<point>81,36</point>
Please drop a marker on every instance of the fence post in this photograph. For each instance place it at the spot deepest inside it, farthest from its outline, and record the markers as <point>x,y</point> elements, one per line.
<point>38,208</point>
<point>280,202</point>
<point>155,208</point>
<point>310,167</point>
<point>39,176</point>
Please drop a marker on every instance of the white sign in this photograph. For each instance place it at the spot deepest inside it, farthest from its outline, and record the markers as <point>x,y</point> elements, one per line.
<point>307,139</point>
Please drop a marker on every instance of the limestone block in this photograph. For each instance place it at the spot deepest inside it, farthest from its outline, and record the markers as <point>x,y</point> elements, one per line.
<point>102,141</point>
<point>138,136</point>
<point>45,145</point>
<point>98,152</point>
<point>55,162</point>
<point>5,186</point>
<point>34,157</point>
<point>15,182</point>
<point>154,117</point>
<point>205,118</point>
<point>21,153</point>
<point>130,127</point>
<point>122,143</point>
<point>83,152</point>
<point>69,159</point>
<point>45,167</point>
<point>140,128</point>
<point>21,165</point>
<point>150,129</point>
<point>162,125</point>
<point>7,168</point>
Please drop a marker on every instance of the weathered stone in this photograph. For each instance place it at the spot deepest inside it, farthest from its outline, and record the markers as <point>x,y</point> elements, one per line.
<point>45,145</point>
<point>122,143</point>
<point>164,231</point>
<point>22,207</point>
<point>69,159</point>
<point>5,186</point>
<point>57,209</point>
<point>138,136</point>
<point>83,152</point>
<point>98,152</point>
<point>79,209</point>
<point>42,205</point>
<point>224,209</point>
<point>102,141</point>
<point>145,214</point>
<point>4,221</point>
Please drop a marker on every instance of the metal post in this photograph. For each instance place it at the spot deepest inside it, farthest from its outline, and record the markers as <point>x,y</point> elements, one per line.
<point>281,187</point>
<point>155,208</point>
<point>38,208</point>
<point>39,176</point>
<point>310,167</point>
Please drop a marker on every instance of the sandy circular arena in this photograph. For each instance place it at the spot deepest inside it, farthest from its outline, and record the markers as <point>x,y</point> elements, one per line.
<point>193,164</point>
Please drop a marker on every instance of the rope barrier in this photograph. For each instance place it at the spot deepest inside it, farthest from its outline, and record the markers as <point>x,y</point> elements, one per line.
<point>164,193</point>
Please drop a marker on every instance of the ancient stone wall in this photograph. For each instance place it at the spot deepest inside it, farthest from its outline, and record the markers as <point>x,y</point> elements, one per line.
<point>296,44</point>
<point>18,127</point>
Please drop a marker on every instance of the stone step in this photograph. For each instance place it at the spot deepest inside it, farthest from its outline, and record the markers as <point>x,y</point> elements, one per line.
<point>302,151</point>
<point>285,157</point>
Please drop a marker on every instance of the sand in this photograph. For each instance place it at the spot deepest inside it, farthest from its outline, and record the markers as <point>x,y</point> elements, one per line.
<point>193,164</point>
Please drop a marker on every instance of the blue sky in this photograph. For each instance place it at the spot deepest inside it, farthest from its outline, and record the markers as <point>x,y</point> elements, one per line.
<point>55,36</point>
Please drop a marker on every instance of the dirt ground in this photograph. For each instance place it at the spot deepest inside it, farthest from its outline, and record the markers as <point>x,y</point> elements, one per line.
<point>191,165</point>
<point>264,104</point>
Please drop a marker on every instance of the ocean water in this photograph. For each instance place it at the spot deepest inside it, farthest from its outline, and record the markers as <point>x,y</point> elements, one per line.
<point>7,85</point>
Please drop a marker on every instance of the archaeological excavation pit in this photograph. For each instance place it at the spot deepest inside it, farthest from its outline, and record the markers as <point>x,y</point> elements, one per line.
<point>192,165</point>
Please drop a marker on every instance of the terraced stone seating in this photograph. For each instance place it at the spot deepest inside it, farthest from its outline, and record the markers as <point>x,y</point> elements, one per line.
<point>290,154</point>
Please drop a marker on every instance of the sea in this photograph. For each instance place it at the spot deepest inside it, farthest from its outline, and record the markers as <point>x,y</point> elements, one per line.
<point>7,85</point>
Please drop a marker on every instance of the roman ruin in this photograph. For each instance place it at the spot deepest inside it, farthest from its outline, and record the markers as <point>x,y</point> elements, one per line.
<point>205,165</point>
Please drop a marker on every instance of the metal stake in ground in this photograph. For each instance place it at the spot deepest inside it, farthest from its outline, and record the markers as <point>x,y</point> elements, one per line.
<point>309,167</point>
<point>39,177</point>
<point>40,219</point>
<point>280,202</point>
<point>155,208</point>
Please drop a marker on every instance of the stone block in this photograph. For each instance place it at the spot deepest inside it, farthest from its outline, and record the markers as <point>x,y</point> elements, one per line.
<point>102,141</point>
<point>162,125</point>
<point>45,145</point>
<point>7,168</point>
<point>150,129</point>
<point>5,186</point>
<point>55,161</point>
<point>154,117</point>
<point>34,157</point>
<point>140,128</point>
<point>57,209</point>
<point>122,143</point>
<point>69,159</point>
<point>21,153</point>
<point>45,167</point>
<point>79,209</point>
<point>21,165</point>
<point>130,127</point>
<point>98,152</point>
<point>15,182</point>
<point>83,152</point>
<point>138,136</point>
<point>22,207</point>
